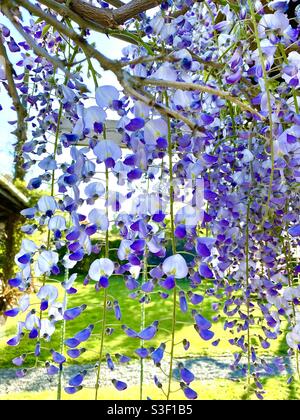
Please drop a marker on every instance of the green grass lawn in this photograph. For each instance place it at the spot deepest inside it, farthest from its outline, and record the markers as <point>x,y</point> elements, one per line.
<point>219,389</point>
<point>158,309</point>
<point>131,316</point>
<point>118,342</point>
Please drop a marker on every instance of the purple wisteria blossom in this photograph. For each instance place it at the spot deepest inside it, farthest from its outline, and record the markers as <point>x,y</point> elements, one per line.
<point>166,197</point>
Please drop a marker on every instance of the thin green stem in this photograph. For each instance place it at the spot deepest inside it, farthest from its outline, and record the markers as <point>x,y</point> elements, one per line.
<point>289,266</point>
<point>248,300</point>
<point>143,323</point>
<point>55,147</point>
<point>173,242</point>
<point>63,327</point>
<point>104,307</point>
<point>270,111</point>
<point>104,313</point>
<point>62,343</point>
<point>143,314</point>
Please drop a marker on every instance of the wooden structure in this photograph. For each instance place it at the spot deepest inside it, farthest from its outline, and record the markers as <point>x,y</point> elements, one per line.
<point>12,201</point>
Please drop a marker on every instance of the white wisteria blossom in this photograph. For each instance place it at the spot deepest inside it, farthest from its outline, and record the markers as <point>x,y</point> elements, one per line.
<point>47,205</point>
<point>57,223</point>
<point>45,262</point>
<point>99,218</point>
<point>49,293</point>
<point>102,267</point>
<point>175,266</point>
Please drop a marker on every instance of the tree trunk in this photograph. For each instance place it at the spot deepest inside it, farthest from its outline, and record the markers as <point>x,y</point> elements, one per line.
<point>8,266</point>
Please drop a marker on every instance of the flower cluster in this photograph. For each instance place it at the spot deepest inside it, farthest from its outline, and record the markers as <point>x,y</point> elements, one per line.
<point>208,156</point>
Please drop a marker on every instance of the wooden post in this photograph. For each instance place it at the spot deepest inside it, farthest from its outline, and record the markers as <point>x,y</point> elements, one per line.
<point>8,266</point>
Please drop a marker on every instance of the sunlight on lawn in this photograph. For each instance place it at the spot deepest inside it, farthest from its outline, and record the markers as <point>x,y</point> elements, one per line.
<point>276,388</point>
<point>157,309</point>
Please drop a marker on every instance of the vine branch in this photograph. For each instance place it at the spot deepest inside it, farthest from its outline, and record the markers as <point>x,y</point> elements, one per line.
<point>40,51</point>
<point>202,88</point>
<point>111,18</point>
<point>21,131</point>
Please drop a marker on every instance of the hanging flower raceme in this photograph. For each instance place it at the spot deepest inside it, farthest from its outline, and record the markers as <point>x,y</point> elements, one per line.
<point>206,162</point>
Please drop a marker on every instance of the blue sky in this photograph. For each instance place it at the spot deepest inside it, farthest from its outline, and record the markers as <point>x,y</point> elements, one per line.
<point>110,47</point>
<point>7,139</point>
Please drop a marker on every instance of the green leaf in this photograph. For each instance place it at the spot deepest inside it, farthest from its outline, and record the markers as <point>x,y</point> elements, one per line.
<point>39,20</point>
<point>45,29</point>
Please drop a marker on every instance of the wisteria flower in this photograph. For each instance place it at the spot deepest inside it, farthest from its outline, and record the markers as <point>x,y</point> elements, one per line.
<point>293,338</point>
<point>48,293</point>
<point>47,329</point>
<point>275,22</point>
<point>47,262</point>
<point>210,168</point>
<point>89,117</point>
<point>294,231</point>
<point>155,129</point>
<point>165,72</point>
<point>124,249</point>
<point>175,266</point>
<point>47,205</point>
<point>57,223</point>
<point>94,190</point>
<point>291,72</point>
<point>101,270</point>
<point>105,95</point>
<point>99,218</point>
<point>107,151</point>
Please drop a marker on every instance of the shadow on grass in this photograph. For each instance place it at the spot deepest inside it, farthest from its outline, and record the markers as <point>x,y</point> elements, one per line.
<point>157,309</point>
<point>292,389</point>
